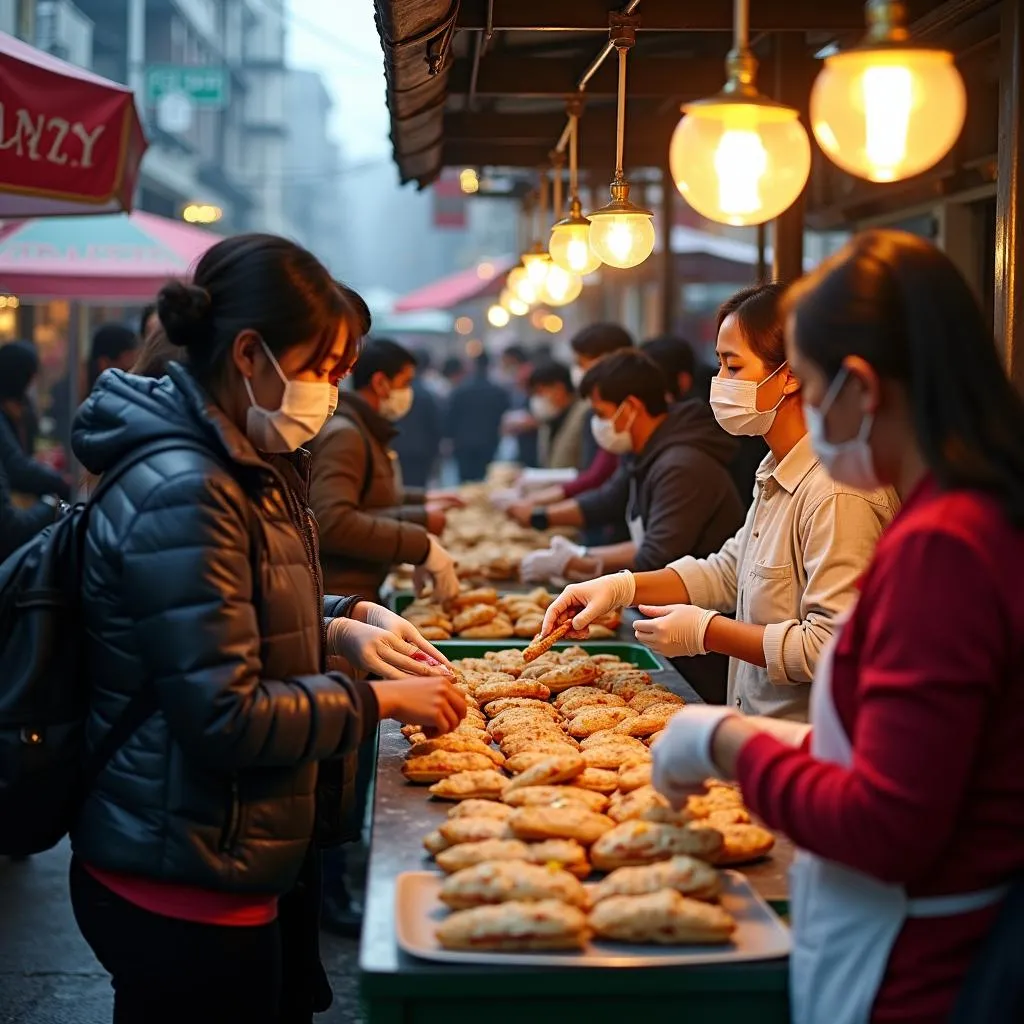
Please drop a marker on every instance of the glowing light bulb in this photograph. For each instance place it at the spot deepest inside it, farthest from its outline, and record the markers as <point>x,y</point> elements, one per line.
<point>739,162</point>
<point>570,246</point>
<point>888,100</point>
<point>537,265</point>
<point>498,316</point>
<point>560,287</point>
<point>621,239</point>
<point>888,113</point>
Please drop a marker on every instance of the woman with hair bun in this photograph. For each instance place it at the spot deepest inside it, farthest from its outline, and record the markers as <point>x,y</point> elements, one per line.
<point>195,869</point>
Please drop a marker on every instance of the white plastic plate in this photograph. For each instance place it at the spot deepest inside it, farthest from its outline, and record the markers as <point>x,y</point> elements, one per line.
<point>760,934</point>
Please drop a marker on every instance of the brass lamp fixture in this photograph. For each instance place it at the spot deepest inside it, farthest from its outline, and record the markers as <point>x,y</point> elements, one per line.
<point>886,109</point>
<point>739,157</point>
<point>621,233</point>
<point>570,238</point>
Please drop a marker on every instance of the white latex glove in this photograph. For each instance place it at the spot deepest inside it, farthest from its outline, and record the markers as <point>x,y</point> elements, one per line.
<point>439,567</point>
<point>383,618</point>
<point>505,497</point>
<point>674,630</point>
<point>538,566</point>
<point>374,650</point>
<point>681,757</point>
<point>588,601</point>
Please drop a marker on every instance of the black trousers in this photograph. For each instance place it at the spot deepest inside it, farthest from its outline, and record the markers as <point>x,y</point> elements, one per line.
<point>166,971</point>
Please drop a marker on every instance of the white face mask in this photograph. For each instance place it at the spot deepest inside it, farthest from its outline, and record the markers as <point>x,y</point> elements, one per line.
<point>734,403</point>
<point>302,413</point>
<point>848,462</point>
<point>397,404</point>
<point>618,442</point>
<point>542,408</point>
<point>577,373</point>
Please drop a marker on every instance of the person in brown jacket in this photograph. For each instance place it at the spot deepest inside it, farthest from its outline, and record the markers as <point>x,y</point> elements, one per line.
<point>368,522</point>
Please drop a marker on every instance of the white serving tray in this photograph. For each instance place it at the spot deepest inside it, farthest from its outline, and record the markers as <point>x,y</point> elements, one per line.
<point>760,934</point>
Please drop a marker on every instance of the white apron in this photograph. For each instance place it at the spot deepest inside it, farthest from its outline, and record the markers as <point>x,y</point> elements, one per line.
<point>845,922</point>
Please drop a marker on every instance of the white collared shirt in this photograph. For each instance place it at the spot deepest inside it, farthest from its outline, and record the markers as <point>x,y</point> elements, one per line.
<point>792,568</point>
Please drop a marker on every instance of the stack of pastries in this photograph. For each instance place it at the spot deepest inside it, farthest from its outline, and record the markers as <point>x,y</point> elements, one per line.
<point>549,776</point>
<point>478,613</point>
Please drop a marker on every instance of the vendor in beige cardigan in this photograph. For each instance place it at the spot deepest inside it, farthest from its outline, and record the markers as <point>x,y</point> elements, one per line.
<point>790,572</point>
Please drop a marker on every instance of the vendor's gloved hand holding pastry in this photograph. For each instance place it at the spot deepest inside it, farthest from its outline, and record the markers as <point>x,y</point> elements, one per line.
<point>682,758</point>
<point>676,631</point>
<point>402,629</point>
<point>438,567</point>
<point>539,566</point>
<point>585,602</point>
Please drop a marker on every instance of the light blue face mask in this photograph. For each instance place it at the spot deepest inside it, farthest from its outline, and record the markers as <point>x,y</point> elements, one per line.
<point>849,462</point>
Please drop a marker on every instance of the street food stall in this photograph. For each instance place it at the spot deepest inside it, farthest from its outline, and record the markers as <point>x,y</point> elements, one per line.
<point>821,125</point>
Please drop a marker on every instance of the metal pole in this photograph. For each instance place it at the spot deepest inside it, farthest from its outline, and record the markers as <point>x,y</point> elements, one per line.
<point>137,50</point>
<point>668,266</point>
<point>1009,283</point>
<point>788,240</point>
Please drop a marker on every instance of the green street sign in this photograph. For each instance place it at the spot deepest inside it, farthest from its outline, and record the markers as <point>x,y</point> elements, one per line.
<point>207,87</point>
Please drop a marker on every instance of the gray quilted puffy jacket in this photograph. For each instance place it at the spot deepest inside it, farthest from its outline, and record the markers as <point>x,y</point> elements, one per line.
<point>218,788</point>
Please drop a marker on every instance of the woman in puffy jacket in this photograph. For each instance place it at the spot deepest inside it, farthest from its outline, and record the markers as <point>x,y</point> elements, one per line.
<point>206,621</point>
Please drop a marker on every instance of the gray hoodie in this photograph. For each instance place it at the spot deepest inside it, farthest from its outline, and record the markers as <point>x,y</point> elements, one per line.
<point>680,487</point>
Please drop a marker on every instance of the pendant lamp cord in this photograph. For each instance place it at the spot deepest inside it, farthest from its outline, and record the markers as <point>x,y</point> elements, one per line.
<point>620,122</point>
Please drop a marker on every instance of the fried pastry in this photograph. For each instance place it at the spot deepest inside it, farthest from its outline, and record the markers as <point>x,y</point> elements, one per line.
<point>474,830</point>
<point>478,595</point>
<point>632,806</point>
<point>548,924</point>
<point>409,730</point>
<point>612,756</point>
<point>633,776</point>
<point>551,770</point>
<point>441,763</point>
<point>480,809</point>
<point>686,875</point>
<point>646,723</point>
<point>652,696</point>
<point>600,780</point>
<point>535,742</point>
<point>527,626</point>
<point>456,742</point>
<point>599,631</point>
<point>499,628</point>
<point>634,843</point>
<point>496,707</point>
<point>564,677</point>
<point>514,719</point>
<point>589,720</point>
<point>434,843</point>
<point>465,855</point>
<point>564,853</point>
<point>500,881</point>
<point>741,843</point>
<point>570,821</point>
<point>512,688</point>
<point>728,816</point>
<point>663,917</point>
<point>700,805</point>
<point>560,796</point>
<point>542,644</point>
<point>433,632</point>
<point>473,785</point>
<point>591,697</point>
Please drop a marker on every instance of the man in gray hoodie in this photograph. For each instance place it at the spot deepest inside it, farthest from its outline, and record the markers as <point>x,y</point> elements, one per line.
<point>673,486</point>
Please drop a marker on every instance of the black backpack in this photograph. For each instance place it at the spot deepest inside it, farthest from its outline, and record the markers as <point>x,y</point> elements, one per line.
<point>44,775</point>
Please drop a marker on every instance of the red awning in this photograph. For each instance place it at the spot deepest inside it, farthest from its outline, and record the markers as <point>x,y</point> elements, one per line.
<point>121,257</point>
<point>70,141</point>
<point>486,278</point>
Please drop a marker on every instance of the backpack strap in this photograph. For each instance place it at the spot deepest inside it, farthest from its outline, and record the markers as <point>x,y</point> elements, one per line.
<point>143,704</point>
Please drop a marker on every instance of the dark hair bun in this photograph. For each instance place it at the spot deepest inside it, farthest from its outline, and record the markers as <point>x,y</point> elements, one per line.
<point>184,312</point>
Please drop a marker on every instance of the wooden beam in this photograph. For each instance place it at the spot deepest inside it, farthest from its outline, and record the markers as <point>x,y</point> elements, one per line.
<point>550,77</point>
<point>666,15</point>
<point>543,129</point>
<point>1009,280</point>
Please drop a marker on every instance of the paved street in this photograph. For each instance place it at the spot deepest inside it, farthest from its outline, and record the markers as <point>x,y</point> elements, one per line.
<point>48,974</point>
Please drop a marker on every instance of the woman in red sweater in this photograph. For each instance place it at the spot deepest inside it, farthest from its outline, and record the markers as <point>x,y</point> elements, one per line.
<point>907,796</point>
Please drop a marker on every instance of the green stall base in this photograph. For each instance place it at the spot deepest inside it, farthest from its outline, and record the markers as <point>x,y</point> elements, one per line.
<point>635,654</point>
<point>399,600</point>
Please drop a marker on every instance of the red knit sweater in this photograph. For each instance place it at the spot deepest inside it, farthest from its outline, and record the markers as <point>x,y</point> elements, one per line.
<point>928,681</point>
